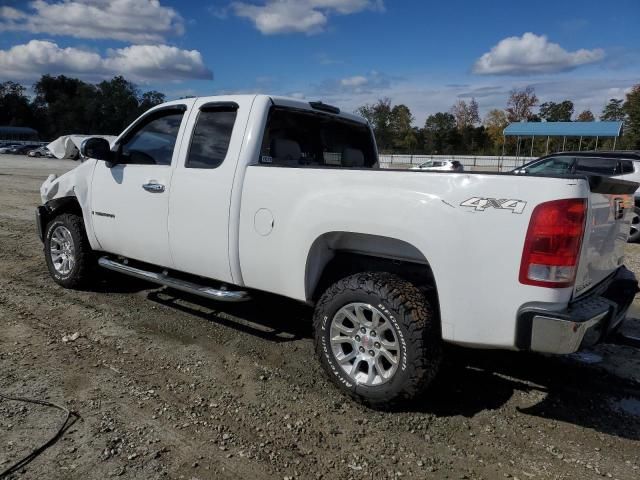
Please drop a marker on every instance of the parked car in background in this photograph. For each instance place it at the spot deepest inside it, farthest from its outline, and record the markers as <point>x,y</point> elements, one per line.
<point>40,152</point>
<point>618,164</point>
<point>22,149</point>
<point>8,146</point>
<point>440,165</point>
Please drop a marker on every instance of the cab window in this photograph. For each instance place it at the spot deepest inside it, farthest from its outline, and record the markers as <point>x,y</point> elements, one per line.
<point>295,138</point>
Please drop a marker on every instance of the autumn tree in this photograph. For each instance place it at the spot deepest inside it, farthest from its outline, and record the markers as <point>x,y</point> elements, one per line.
<point>494,123</point>
<point>585,116</point>
<point>465,114</point>
<point>520,104</point>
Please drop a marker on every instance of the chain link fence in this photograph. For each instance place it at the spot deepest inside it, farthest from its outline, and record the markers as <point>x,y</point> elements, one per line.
<point>470,162</point>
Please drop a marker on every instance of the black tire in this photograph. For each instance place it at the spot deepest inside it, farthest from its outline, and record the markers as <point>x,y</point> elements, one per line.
<point>81,274</point>
<point>409,313</point>
<point>634,235</point>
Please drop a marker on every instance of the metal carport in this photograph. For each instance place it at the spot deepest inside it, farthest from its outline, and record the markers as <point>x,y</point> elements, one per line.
<point>561,129</point>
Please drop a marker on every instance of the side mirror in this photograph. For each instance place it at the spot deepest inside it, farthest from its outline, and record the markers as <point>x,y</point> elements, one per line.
<point>96,147</point>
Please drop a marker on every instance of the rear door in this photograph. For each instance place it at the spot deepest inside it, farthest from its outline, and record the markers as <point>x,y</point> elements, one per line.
<point>201,187</point>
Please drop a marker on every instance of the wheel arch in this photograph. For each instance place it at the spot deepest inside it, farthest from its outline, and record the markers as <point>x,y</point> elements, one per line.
<point>335,255</point>
<point>55,207</point>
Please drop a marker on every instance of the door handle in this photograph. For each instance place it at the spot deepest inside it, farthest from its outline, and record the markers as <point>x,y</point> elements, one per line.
<point>153,187</point>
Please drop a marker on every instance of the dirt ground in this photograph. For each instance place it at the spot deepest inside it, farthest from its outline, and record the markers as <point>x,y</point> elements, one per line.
<point>170,386</point>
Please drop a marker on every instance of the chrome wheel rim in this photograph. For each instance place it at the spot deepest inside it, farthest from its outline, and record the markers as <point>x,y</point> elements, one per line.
<point>365,344</point>
<point>61,250</point>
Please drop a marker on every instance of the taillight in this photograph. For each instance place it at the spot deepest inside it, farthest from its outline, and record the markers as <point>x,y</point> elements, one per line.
<point>552,246</point>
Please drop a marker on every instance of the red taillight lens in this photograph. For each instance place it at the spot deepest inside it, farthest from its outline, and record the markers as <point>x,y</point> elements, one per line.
<point>552,247</point>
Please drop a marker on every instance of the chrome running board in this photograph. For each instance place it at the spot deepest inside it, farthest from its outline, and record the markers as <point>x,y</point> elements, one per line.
<point>183,285</point>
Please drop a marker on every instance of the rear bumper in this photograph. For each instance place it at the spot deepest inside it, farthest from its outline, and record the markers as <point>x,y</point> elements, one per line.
<point>584,322</point>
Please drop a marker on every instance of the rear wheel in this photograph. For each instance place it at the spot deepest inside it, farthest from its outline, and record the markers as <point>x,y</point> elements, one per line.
<point>377,338</point>
<point>67,251</point>
<point>634,235</point>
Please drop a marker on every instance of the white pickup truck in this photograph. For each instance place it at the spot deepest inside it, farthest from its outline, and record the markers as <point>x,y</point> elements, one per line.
<point>222,196</point>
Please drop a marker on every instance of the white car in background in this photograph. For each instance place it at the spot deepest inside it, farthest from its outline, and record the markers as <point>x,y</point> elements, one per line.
<point>440,165</point>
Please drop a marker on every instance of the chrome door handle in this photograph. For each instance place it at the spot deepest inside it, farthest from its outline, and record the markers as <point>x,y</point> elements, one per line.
<point>153,187</point>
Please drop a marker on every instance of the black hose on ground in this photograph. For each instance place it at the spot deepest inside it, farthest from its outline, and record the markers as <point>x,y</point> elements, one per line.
<point>70,419</point>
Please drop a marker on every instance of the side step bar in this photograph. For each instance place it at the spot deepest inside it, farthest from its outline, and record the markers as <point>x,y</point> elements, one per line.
<point>183,285</point>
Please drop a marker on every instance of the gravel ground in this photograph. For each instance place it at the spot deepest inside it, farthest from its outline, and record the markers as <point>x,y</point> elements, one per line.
<point>170,386</point>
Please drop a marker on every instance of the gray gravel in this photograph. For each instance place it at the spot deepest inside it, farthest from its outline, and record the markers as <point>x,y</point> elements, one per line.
<point>169,386</point>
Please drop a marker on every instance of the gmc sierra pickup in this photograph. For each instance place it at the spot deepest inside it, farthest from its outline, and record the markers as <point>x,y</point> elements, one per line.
<point>222,196</point>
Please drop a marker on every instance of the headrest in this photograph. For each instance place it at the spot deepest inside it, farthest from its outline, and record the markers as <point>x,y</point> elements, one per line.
<point>283,149</point>
<point>352,157</point>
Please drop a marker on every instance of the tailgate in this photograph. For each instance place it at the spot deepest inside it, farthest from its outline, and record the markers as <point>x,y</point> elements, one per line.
<point>607,227</point>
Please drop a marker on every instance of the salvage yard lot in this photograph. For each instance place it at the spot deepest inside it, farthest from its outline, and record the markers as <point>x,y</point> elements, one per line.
<point>171,386</point>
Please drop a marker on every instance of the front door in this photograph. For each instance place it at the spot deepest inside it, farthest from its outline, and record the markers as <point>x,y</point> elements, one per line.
<point>130,200</point>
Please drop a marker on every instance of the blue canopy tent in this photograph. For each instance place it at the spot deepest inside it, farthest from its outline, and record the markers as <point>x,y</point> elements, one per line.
<point>561,129</point>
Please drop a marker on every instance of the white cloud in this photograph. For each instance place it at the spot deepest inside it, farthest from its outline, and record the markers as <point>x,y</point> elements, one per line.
<point>357,81</point>
<point>532,54</point>
<point>138,21</point>
<point>299,16</point>
<point>137,62</point>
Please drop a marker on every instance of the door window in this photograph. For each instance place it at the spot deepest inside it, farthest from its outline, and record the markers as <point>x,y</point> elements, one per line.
<point>553,166</point>
<point>211,136</point>
<point>152,143</point>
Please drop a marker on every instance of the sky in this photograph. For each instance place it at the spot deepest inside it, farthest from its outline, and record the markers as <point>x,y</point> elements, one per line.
<point>424,54</point>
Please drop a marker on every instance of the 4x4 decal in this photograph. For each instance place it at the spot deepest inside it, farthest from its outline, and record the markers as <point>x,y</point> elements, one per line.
<point>481,204</point>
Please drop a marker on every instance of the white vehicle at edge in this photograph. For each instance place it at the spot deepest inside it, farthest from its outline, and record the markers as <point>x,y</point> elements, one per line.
<point>440,165</point>
<point>221,196</point>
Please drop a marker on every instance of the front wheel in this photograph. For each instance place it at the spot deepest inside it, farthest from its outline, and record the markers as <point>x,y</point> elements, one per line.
<point>634,235</point>
<point>67,251</point>
<point>377,338</point>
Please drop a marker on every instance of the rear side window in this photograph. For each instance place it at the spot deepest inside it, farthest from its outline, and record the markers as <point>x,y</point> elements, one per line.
<point>298,138</point>
<point>597,166</point>
<point>625,166</point>
<point>211,137</point>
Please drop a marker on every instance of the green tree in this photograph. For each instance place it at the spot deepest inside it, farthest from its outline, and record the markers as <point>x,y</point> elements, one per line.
<point>380,117</point>
<point>64,105</point>
<point>150,99</point>
<point>15,109</point>
<point>632,124</point>
<point>440,133</point>
<point>117,105</point>
<point>404,138</point>
<point>613,111</point>
<point>557,112</point>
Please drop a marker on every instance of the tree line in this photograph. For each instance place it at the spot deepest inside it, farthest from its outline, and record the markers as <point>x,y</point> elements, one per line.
<point>62,105</point>
<point>461,130</point>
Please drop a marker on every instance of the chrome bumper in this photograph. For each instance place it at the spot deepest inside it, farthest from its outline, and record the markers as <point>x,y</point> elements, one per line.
<point>585,322</point>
